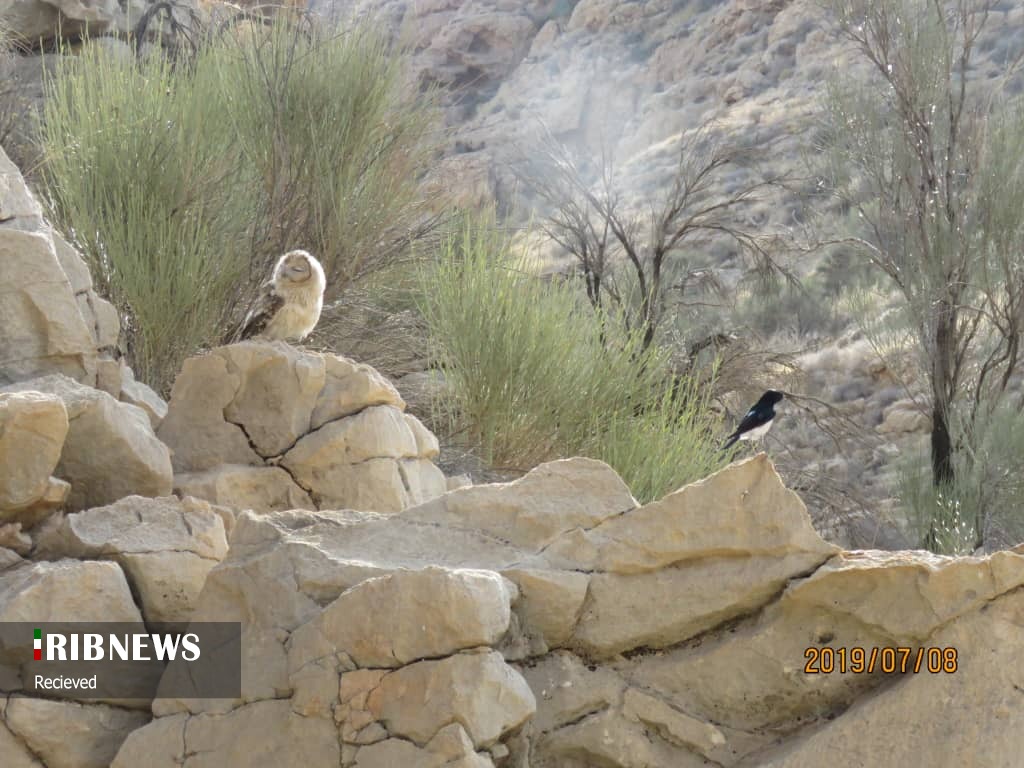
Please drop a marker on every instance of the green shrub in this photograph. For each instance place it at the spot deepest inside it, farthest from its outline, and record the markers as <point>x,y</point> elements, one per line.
<point>182,182</point>
<point>533,374</point>
<point>985,504</point>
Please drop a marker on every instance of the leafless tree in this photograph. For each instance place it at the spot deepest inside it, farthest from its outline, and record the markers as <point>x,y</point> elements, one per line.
<point>931,161</point>
<point>607,230</point>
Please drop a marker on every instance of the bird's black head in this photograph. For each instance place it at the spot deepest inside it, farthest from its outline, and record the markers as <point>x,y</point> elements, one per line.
<point>770,398</point>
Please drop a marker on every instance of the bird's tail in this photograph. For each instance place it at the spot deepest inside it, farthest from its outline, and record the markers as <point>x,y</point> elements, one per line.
<point>733,438</point>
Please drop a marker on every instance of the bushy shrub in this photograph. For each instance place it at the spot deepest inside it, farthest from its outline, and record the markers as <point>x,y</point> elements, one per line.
<point>534,374</point>
<point>181,182</point>
<point>985,506</point>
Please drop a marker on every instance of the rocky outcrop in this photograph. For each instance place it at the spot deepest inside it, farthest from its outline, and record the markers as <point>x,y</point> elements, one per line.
<point>165,546</point>
<point>33,427</point>
<point>53,321</point>
<point>110,450</point>
<point>553,622</point>
<point>265,426</point>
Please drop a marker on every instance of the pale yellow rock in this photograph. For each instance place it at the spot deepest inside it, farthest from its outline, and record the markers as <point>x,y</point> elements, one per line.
<point>166,546</point>
<point>138,394</point>
<point>549,602</point>
<point>138,525</point>
<point>33,427</point>
<point>534,510</point>
<point>70,735</point>
<point>110,450</point>
<point>373,433</point>
<point>44,331</point>
<point>158,744</point>
<point>567,690</point>
<point>665,607</point>
<point>349,388</point>
<point>372,485</point>
<point>194,427</point>
<point>262,489</point>
<point>690,732</point>
<point>108,377</point>
<point>416,614</point>
<point>278,388</point>
<point>743,509</point>
<point>167,583</point>
<point>66,590</point>
<point>427,446</point>
<point>906,595</point>
<point>608,739</point>
<point>972,716</point>
<point>264,734</point>
<point>478,690</point>
<point>72,263</point>
<point>450,748</point>
<point>422,479</point>
<point>14,752</point>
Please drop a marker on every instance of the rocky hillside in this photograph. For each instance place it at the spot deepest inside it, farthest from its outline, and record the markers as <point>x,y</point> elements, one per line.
<point>390,618</point>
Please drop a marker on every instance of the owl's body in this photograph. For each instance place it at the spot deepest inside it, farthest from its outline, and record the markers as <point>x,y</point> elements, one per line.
<point>291,303</point>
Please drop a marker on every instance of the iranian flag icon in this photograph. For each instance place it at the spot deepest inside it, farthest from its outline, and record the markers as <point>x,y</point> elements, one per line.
<point>37,644</point>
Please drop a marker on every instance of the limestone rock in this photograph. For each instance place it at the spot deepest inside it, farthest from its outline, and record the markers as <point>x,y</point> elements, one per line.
<point>417,614</point>
<point>534,510</point>
<point>158,744</point>
<point>427,446</point>
<point>478,690</point>
<point>166,547</point>
<point>138,394</point>
<point>968,717</point>
<point>349,388</point>
<point>742,509</point>
<point>335,426</point>
<point>44,331</point>
<point>66,590</point>
<point>278,388</point>
<point>195,428</point>
<point>70,735</point>
<point>265,734</point>
<point>33,427</point>
<point>450,748</point>
<point>132,460</point>
<point>665,607</point>
<point>261,489</point>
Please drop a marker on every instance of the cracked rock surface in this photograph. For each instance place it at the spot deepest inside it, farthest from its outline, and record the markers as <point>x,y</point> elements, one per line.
<point>553,622</point>
<point>266,426</point>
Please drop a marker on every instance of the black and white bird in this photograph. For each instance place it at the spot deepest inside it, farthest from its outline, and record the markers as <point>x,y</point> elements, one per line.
<point>758,420</point>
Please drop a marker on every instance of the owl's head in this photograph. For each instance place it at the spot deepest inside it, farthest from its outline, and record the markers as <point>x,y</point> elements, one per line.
<point>299,267</point>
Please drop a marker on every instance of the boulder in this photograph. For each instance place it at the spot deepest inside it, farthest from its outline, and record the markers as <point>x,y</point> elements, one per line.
<point>332,430</point>
<point>668,634</point>
<point>138,394</point>
<point>132,459</point>
<point>66,590</point>
<point>33,427</point>
<point>262,489</point>
<point>70,735</point>
<point>44,331</point>
<point>166,547</point>
<point>418,614</point>
<point>477,690</point>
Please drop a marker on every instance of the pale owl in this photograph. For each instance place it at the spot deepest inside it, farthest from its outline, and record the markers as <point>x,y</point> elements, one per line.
<point>291,302</point>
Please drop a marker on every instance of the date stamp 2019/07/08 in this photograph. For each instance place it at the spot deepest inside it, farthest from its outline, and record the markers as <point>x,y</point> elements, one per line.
<point>857,660</point>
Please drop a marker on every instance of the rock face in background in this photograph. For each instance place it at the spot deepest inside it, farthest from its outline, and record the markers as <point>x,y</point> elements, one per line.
<point>52,319</point>
<point>265,426</point>
<point>627,77</point>
<point>552,622</point>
